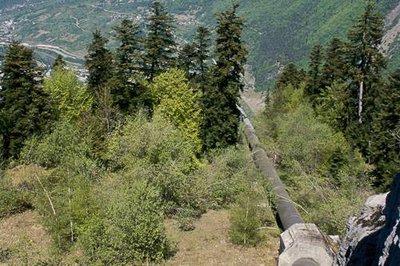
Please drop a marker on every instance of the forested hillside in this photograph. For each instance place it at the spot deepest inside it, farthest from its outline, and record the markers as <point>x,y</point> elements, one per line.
<point>152,138</point>
<point>278,32</point>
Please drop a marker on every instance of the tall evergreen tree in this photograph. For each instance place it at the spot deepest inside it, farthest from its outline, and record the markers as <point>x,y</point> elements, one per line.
<point>366,58</point>
<point>25,108</point>
<point>127,88</point>
<point>186,60</point>
<point>202,43</point>
<point>385,144</point>
<point>335,67</point>
<point>160,46</point>
<point>314,77</point>
<point>367,63</point>
<point>98,62</point>
<point>290,76</point>
<point>221,116</point>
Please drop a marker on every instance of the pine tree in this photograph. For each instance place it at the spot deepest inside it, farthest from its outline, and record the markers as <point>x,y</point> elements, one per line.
<point>385,144</point>
<point>59,63</point>
<point>367,60</point>
<point>127,88</point>
<point>202,43</point>
<point>335,67</point>
<point>367,63</point>
<point>290,76</point>
<point>186,60</point>
<point>25,109</point>
<point>221,116</point>
<point>160,46</point>
<point>314,75</point>
<point>98,62</point>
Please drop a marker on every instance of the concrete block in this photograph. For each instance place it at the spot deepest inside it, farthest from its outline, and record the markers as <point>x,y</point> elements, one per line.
<point>304,244</point>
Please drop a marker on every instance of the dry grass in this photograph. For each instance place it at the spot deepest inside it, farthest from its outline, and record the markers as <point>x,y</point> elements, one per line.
<point>209,244</point>
<point>24,174</point>
<point>24,238</point>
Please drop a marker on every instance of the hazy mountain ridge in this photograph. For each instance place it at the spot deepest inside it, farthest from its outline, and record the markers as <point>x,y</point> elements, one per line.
<point>277,31</point>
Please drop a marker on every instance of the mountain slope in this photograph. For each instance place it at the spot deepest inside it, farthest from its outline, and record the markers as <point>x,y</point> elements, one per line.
<point>278,31</point>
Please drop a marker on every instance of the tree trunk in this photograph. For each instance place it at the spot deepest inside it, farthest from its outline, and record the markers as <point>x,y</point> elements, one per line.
<point>360,102</point>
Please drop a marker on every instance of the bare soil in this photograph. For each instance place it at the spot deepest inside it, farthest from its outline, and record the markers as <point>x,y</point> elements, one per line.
<point>208,244</point>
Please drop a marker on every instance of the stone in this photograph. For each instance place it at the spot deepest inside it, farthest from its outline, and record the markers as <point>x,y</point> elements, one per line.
<point>373,237</point>
<point>304,244</point>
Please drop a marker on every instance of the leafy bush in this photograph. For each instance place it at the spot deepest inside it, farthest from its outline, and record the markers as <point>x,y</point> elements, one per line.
<point>179,103</point>
<point>158,151</point>
<point>70,95</point>
<point>227,175</point>
<point>63,143</point>
<point>129,227</point>
<point>245,220</point>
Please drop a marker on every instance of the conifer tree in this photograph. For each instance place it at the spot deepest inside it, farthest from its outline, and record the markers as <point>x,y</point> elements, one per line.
<point>186,60</point>
<point>367,60</point>
<point>59,63</point>
<point>25,109</point>
<point>160,46</point>
<point>313,87</point>
<point>335,67</point>
<point>98,63</point>
<point>366,65</point>
<point>127,88</point>
<point>385,144</point>
<point>290,76</point>
<point>221,116</point>
<point>202,43</point>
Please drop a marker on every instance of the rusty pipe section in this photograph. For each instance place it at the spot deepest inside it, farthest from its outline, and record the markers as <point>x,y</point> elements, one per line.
<point>287,211</point>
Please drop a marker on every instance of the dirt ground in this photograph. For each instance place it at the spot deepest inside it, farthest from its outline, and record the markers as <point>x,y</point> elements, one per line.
<point>208,244</point>
<point>23,240</point>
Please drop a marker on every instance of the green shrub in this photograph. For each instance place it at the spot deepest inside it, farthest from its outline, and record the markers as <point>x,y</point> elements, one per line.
<point>129,227</point>
<point>245,220</point>
<point>13,201</point>
<point>227,175</point>
<point>64,142</point>
<point>158,151</point>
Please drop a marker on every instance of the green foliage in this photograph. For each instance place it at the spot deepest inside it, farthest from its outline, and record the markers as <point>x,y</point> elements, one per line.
<point>385,142</point>
<point>202,43</point>
<point>159,151</point>
<point>71,96</point>
<point>129,227</point>
<point>13,201</point>
<point>324,175</point>
<point>72,203</point>
<point>98,63</point>
<point>226,176</point>
<point>129,93</point>
<point>221,117</point>
<point>245,220</point>
<point>59,63</point>
<point>52,150</point>
<point>176,100</point>
<point>159,44</point>
<point>25,109</point>
<point>64,198</point>
<point>314,74</point>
